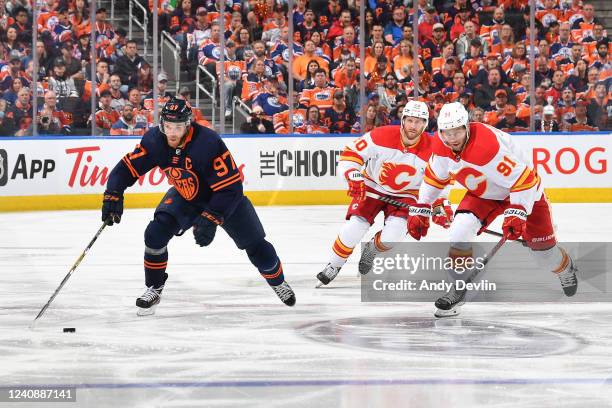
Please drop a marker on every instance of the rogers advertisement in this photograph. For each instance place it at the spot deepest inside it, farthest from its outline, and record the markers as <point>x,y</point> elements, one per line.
<point>81,166</point>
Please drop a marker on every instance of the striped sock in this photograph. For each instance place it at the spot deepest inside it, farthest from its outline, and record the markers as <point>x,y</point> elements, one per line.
<point>275,275</point>
<point>379,244</point>
<point>155,268</point>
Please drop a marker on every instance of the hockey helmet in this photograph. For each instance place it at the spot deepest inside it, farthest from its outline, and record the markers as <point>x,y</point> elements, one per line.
<point>452,115</point>
<point>416,109</point>
<point>176,110</point>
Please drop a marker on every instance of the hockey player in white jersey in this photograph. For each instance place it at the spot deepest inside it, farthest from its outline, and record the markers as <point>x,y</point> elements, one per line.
<point>500,180</point>
<point>387,161</point>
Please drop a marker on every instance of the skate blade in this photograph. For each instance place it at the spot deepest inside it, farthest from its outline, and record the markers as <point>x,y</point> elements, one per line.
<point>447,313</point>
<point>318,285</point>
<point>146,312</point>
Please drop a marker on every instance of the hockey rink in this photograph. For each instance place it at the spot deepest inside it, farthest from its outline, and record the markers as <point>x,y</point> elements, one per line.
<point>221,337</point>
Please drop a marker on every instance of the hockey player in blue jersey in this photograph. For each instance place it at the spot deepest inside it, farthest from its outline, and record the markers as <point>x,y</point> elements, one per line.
<point>206,193</point>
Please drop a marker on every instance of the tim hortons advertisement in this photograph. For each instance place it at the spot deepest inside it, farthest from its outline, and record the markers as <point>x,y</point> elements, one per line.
<point>81,166</point>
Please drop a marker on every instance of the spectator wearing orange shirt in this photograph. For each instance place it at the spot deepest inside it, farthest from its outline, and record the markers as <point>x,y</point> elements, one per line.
<point>106,116</point>
<point>448,50</point>
<point>347,76</point>
<point>376,78</point>
<point>322,49</point>
<point>566,106</point>
<point>346,44</point>
<point>321,95</point>
<point>377,50</point>
<point>314,124</point>
<point>583,26</point>
<point>403,62</point>
<point>490,32</point>
<point>549,13</point>
<point>493,115</point>
<point>300,64</point>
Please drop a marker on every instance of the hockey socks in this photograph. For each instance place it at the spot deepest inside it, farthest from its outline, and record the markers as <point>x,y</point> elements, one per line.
<point>155,263</point>
<point>274,276</point>
<point>349,237</point>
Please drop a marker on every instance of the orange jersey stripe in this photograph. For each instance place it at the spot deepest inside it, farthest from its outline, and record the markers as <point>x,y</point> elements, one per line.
<point>351,159</point>
<point>227,182</point>
<point>131,168</point>
<point>521,180</point>
<point>431,179</point>
<point>224,180</point>
<point>527,180</point>
<point>433,183</point>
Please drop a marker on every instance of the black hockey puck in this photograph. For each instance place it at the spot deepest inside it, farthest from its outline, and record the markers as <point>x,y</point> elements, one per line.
<point>69,330</point>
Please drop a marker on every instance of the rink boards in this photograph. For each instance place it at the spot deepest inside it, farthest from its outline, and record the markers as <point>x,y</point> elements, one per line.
<point>60,172</point>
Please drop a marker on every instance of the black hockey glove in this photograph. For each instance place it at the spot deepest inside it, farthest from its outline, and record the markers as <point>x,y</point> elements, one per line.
<point>112,207</point>
<point>204,228</point>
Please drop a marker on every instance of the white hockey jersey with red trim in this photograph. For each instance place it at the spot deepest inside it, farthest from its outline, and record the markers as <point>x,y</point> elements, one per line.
<point>388,166</point>
<point>490,166</point>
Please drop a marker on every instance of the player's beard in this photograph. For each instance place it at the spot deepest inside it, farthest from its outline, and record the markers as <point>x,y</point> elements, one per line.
<point>410,137</point>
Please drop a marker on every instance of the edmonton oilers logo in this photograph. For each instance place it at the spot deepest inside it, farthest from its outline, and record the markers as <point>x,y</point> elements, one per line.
<point>185,181</point>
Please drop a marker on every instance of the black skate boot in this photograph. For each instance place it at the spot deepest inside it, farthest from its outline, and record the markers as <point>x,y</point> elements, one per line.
<point>285,293</point>
<point>450,304</point>
<point>568,279</point>
<point>328,274</point>
<point>148,301</point>
<point>368,253</point>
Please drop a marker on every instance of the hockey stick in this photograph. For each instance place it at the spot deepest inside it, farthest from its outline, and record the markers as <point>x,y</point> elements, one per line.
<point>61,285</point>
<point>404,205</point>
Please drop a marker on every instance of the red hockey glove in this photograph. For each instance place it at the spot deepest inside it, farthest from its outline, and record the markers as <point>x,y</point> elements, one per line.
<point>515,222</point>
<point>442,213</point>
<point>356,185</point>
<point>418,220</point>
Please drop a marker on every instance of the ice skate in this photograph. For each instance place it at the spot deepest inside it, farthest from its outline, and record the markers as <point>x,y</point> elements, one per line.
<point>450,304</point>
<point>148,301</point>
<point>285,293</point>
<point>368,254</point>
<point>328,274</point>
<point>568,279</point>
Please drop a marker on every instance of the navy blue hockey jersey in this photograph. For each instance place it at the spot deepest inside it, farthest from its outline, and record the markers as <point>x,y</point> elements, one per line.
<point>202,169</point>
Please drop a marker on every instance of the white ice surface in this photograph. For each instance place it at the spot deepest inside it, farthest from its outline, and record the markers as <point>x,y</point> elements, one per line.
<point>221,337</point>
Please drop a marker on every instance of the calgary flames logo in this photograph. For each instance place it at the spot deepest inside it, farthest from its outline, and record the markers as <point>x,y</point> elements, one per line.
<point>396,176</point>
<point>185,181</point>
<point>473,180</point>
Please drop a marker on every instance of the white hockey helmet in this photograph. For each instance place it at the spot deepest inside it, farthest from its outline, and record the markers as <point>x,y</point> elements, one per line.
<point>416,109</point>
<point>452,115</point>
